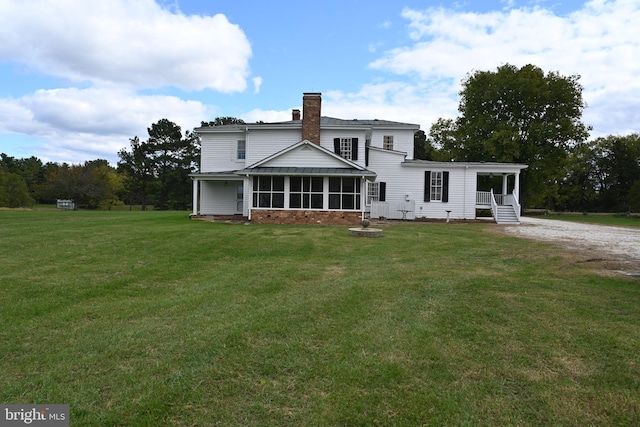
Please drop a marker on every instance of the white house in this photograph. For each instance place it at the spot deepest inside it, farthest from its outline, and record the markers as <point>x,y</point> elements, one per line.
<point>315,169</point>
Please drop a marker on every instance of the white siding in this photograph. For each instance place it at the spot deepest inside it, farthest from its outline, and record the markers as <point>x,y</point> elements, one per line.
<point>264,143</point>
<point>219,152</point>
<point>407,183</point>
<point>216,198</point>
<point>328,135</point>
<point>402,139</point>
<point>305,156</point>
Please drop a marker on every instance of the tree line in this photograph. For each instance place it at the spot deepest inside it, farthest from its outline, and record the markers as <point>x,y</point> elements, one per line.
<point>152,173</point>
<point>515,115</point>
<point>524,115</point>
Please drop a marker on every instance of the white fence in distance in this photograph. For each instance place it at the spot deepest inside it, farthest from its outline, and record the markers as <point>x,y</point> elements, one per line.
<point>400,210</point>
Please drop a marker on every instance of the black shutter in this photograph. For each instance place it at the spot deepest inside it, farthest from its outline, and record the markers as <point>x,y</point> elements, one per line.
<point>445,186</point>
<point>354,148</point>
<point>336,146</point>
<point>383,192</point>
<point>427,186</point>
<point>366,156</point>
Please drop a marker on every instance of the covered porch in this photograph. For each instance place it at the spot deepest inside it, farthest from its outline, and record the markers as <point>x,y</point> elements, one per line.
<point>500,193</point>
<point>218,194</point>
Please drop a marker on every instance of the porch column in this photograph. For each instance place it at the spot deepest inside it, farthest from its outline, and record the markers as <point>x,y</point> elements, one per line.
<point>516,187</point>
<point>504,184</point>
<point>195,196</point>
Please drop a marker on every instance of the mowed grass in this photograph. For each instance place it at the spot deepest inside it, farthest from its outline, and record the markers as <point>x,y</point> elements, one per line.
<point>150,319</point>
<point>619,220</point>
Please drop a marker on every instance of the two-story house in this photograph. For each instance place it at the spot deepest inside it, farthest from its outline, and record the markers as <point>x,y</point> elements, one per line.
<point>315,169</point>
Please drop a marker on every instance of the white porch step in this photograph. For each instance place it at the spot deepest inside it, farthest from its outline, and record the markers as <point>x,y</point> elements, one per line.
<point>506,215</point>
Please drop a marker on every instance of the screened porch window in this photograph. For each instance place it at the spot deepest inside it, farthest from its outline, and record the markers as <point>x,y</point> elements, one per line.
<point>268,191</point>
<point>306,192</point>
<point>344,193</point>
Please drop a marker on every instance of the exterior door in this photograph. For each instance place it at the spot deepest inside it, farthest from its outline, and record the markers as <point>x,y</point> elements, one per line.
<point>239,197</point>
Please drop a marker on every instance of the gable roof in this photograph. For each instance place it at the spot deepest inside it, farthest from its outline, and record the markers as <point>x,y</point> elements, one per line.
<point>326,163</point>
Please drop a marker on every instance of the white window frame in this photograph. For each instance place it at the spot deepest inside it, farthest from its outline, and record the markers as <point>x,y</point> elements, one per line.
<point>341,194</point>
<point>373,192</point>
<point>436,186</point>
<point>346,148</point>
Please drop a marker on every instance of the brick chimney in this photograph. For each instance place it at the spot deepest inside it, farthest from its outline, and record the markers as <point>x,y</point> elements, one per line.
<point>295,114</point>
<point>311,103</point>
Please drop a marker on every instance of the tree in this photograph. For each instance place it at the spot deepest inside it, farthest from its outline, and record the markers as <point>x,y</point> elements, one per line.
<point>159,168</point>
<point>137,168</point>
<point>421,148</point>
<point>521,116</point>
<point>92,185</point>
<point>220,121</point>
<point>13,191</point>
<point>618,160</point>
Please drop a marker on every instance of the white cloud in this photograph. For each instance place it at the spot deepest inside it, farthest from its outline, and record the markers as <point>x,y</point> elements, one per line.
<point>72,124</point>
<point>598,42</point>
<point>257,82</point>
<point>134,43</point>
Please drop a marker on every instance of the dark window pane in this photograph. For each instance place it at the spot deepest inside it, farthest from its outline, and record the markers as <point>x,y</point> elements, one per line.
<point>296,184</point>
<point>347,201</point>
<point>264,183</point>
<point>316,184</point>
<point>357,189</point>
<point>265,200</point>
<point>306,184</point>
<point>255,183</point>
<point>347,185</point>
<point>278,183</point>
<point>357,202</point>
<point>295,201</point>
<point>316,201</point>
<point>255,199</point>
<point>334,185</point>
<point>278,200</point>
<point>334,201</point>
<point>306,201</point>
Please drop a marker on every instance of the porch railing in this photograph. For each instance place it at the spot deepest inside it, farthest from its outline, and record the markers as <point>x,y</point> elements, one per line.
<point>485,198</point>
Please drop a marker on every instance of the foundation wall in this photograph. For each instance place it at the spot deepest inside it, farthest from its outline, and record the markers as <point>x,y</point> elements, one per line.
<point>305,217</point>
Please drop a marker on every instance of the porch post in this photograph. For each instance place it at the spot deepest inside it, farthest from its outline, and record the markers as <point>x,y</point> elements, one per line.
<point>504,184</point>
<point>516,188</point>
<point>195,196</point>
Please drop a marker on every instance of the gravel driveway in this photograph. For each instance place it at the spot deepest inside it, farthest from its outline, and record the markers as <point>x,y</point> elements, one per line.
<point>612,243</point>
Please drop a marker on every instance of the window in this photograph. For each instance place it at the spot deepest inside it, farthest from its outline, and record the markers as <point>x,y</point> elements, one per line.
<point>306,192</point>
<point>387,142</point>
<point>436,186</point>
<point>268,191</point>
<point>346,148</point>
<point>344,193</point>
<point>241,149</point>
<point>376,192</point>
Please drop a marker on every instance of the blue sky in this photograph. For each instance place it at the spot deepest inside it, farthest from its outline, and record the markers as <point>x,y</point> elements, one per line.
<point>79,78</point>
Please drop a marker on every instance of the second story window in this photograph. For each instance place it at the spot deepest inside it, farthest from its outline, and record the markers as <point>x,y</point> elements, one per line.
<point>347,148</point>
<point>241,150</point>
<point>387,142</point>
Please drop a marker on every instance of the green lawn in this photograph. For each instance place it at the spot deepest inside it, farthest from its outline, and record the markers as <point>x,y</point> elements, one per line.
<point>150,319</point>
<point>620,220</point>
